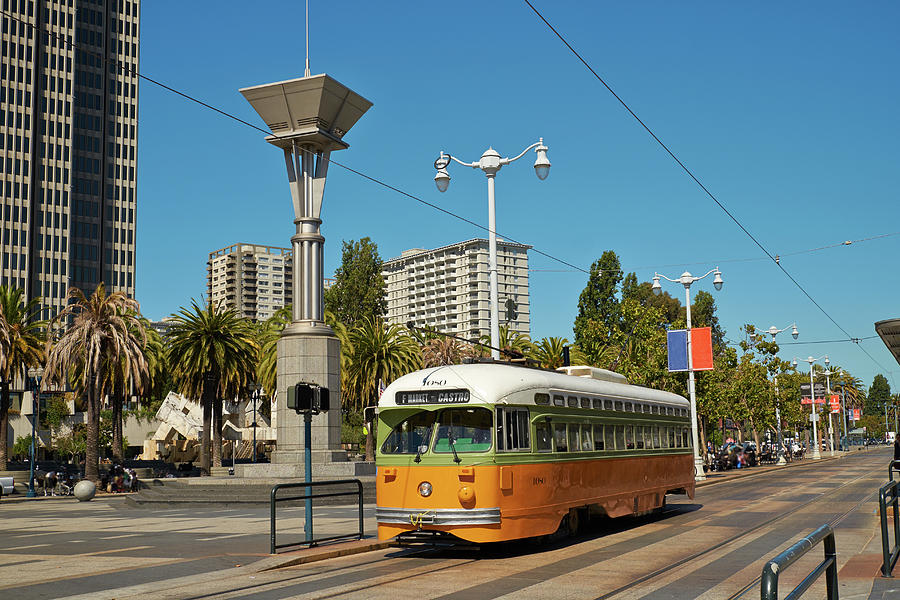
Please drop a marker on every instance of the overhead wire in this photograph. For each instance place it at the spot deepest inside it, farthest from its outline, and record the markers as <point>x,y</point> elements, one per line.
<point>126,68</point>
<point>375,180</point>
<point>696,180</point>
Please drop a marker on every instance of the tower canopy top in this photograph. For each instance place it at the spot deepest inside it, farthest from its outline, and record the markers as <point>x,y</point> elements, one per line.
<point>316,109</point>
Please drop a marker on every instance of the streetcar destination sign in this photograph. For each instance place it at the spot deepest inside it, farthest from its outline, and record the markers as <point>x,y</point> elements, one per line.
<point>433,397</point>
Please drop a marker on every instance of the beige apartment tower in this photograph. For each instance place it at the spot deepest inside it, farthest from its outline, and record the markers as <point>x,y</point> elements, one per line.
<point>68,146</point>
<point>253,279</point>
<point>448,288</point>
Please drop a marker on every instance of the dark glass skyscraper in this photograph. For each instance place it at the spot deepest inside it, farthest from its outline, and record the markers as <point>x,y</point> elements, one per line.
<point>68,124</point>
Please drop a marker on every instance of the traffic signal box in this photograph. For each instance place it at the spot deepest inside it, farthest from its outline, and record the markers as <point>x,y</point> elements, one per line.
<point>307,397</point>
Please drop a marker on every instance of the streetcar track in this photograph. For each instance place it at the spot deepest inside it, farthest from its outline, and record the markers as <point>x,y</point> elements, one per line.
<point>406,576</point>
<point>774,519</point>
<point>833,523</point>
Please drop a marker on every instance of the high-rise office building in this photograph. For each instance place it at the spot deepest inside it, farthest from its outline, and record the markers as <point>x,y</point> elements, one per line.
<point>68,146</point>
<point>254,280</point>
<point>448,288</point>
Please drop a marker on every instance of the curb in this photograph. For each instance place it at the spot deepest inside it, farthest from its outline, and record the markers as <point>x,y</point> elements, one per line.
<point>318,553</point>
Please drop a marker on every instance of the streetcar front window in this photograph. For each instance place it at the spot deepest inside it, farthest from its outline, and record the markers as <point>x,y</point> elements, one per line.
<point>411,436</point>
<point>463,430</point>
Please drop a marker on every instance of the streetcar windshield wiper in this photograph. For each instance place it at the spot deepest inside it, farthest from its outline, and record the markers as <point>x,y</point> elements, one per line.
<point>427,436</point>
<point>452,444</point>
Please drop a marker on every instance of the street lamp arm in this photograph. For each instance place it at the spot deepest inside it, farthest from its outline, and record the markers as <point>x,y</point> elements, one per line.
<point>668,279</point>
<point>506,161</point>
<point>474,165</point>
<point>708,273</point>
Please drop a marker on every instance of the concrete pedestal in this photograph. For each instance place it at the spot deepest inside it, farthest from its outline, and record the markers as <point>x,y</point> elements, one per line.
<point>312,355</point>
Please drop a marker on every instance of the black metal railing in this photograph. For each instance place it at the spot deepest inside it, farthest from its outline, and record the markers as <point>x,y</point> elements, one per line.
<point>892,467</point>
<point>888,495</point>
<point>308,496</point>
<point>772,569</point>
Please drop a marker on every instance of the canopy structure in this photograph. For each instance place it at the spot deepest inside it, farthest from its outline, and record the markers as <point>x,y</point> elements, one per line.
<point>889,331</point>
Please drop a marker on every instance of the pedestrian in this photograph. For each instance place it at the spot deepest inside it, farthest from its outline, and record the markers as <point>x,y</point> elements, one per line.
<point>897,448</point>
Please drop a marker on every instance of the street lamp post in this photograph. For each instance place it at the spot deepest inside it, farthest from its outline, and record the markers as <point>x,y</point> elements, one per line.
<point>687,280</point>
<point>812,396</point>
<point>490,163</point>
<point>254,397</point>
<point>34,375</point>
<point>828,374</point>
<point>774,331</point>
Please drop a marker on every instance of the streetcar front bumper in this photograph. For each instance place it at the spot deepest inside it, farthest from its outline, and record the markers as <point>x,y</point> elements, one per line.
<point>438,516</point>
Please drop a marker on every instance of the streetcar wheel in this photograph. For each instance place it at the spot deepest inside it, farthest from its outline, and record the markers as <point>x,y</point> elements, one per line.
<point>573,521</point>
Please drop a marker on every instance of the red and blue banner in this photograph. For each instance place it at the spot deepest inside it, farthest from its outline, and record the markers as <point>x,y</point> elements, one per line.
<point>701,349</point>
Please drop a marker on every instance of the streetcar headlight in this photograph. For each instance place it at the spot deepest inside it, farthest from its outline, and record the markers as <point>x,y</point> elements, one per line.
<point>424,489</point>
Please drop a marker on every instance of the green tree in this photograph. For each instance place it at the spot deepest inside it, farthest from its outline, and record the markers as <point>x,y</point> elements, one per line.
<point>213,355</point>
<point>512,344</point>
<point>358,292</point>
<point>444,351</point>
<point>22,339</point>
<point>703,314</point>
<point>642,292</point>
<point>879,395</point>
<point>599,300</point>
<point>101,329</point>
<point>376,352</point>
<point>268,334</point>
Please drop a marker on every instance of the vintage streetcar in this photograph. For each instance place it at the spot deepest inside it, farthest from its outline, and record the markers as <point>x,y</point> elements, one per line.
<point>489,452</point>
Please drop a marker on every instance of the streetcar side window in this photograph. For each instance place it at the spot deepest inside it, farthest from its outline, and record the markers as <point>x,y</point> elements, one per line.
<point>574,442</point>
<point>585,403</point>
<point>559,437</point>
<point>655,409</point>
<point>648,438</point>
<point>618,405</point>
<point>684,438</point>
<point>542,399</point>
<point>608,435</point>
<point>513,430</point>
<point>572,401</point>
<point>542,437</point>
<point>586,443</point>
<point>639,437</point>
<point>598,403</point>
<point>620,437</point>
<point>559,400</point>
<point>628,407</point>
<point>629,437</point>
<point>656,437</point>
<point>598,437</point>
<point>671,432</point>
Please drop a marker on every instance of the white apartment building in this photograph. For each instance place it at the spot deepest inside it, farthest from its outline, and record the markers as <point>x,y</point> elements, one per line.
<point>448,288</point>
<point>253,279</point>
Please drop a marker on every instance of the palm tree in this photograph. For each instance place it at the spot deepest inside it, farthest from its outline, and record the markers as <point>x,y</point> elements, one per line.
<point>444,351</point>
<point>511,343</point>
<point>123,372</point>
<point>103,329</point>
<point>213,354</point>
<point>549,352</point>
<point>377,352</point>
<point>22,339</point>
<point>269,333</point>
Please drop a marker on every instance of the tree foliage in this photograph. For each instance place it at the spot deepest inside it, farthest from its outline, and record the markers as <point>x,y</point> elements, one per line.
<point>598,303</point>
<point>358,292</point>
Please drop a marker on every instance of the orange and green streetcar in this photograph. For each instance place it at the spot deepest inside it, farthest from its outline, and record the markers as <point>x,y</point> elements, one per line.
<point>489,452</point>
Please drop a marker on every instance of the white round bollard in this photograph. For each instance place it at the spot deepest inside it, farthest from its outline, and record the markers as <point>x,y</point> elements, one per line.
<point>85,490</point>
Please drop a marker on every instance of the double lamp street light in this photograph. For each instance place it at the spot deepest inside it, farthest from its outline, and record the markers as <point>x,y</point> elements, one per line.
<point>774,331</point>
<point>687,280</point>
<point>490,163</point>
<point>813,416</point>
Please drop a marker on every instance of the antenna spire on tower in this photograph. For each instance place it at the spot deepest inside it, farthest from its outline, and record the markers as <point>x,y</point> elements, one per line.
<point>307,73</point>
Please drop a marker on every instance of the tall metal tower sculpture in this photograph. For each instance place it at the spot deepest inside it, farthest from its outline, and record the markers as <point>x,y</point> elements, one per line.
<point>308,118</point>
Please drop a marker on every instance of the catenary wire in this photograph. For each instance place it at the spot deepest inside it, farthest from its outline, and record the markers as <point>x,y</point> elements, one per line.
<point>695,179</point>
<point>191,98</point>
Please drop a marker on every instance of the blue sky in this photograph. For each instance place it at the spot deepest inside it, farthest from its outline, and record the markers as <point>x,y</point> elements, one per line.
<point>785,111</point>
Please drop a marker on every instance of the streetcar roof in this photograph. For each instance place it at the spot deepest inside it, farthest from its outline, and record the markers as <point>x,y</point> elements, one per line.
<point>492,383</point>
